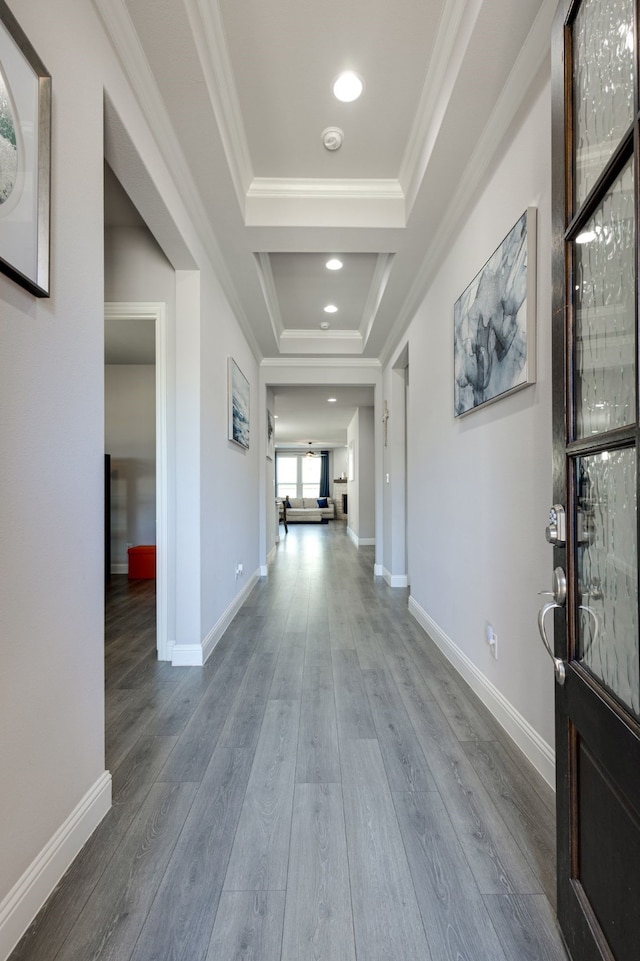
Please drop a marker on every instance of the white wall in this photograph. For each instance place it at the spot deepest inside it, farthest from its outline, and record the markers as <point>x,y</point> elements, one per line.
<point>54,785</point>
<point>361,490</point>
<point>130,439</point>
<point>230,502</point>
<point>271,518</point>
<point>479,488</point>
<point>394,455</point>
<point>339,462</point>
<point>51,477</point>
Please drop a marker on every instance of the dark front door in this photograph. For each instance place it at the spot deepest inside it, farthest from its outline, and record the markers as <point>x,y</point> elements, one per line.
<point>594,523</point>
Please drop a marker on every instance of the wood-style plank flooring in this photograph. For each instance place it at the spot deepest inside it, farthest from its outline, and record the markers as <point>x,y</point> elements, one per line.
<point>325,788</point>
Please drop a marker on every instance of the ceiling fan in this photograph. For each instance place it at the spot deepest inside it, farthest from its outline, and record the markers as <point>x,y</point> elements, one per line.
<point>311,453</point>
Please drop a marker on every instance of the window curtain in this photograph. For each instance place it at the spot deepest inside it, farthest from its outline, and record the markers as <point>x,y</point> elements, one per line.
<point>325,483</point>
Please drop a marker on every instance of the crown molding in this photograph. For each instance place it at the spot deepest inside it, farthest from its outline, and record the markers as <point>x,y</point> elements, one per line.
<point>300,202</point>
<point>207,28</point>
<point>379,283</point>
<point>305,333</point>
<point>321,342</point>
<point>449,49</point>
<point>530,59</point>
<point>268,284</point>
<point>364,363</point>
<point>276,188</point>
<point>128,49</point>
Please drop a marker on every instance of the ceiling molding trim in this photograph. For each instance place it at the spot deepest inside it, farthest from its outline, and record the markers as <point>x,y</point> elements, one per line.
<point>454,33</point>
<point>208,33</point>
<point>365,363</point>
<point>128,49</point>
<point>304,333</point>
<point>282,202</point>
<point>279,187</point>
<point>268,284</point>
<point>379,283</point>
<point>530,59</point>
<point>321,342</point>
<point>325,203</point>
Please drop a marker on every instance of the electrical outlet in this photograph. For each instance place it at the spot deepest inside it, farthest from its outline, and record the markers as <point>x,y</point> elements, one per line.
<point>492,641</point>
<point>239,570</point>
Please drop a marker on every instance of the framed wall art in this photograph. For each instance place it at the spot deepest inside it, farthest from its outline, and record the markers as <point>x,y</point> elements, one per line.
<point>495,323</point>
<point>271,435</point>
<point>238,405</point>
<point>25,159</point>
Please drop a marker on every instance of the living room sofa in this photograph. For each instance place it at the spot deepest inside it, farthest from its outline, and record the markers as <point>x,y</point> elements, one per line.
<point>308,509</point>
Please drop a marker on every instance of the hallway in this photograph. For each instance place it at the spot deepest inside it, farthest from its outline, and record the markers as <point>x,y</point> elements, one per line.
<point>324,788</point>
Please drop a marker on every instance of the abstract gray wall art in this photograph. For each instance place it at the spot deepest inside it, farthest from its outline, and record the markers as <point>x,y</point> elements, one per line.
<point>494,323</point>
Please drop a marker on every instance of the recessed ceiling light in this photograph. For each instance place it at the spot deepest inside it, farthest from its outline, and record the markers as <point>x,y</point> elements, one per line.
<point>332,400</point>
<point>348,86</point>
<point>331,309</point>
<point>334,264</point>
<point>325,325</point>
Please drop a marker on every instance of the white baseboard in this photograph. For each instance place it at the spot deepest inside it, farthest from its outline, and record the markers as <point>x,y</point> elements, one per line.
<point>535,748</point>
<point>361,541</point>
<point>27,896</point>
<point>195,655</point>
<point>394,580</point>
<point>120,568</point>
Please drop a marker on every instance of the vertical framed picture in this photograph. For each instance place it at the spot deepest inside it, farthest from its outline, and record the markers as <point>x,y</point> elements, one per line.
<point>495,323</point>
<point>271,435</point>
<point>239,398</point>
<point>25,159</point>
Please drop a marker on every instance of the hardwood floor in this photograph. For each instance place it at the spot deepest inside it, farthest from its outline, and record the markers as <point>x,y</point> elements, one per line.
<point>325,788</point>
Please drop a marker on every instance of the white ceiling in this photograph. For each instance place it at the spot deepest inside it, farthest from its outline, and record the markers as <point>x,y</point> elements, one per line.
<point>239,93</point>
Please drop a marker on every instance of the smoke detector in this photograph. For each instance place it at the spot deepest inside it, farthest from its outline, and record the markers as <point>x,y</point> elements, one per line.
<point>332,138</point>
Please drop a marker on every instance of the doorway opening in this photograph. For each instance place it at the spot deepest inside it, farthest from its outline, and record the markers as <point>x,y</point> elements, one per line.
<point>135,335</point>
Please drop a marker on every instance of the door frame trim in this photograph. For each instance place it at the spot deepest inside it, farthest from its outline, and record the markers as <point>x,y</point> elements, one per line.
<point>157,311</point>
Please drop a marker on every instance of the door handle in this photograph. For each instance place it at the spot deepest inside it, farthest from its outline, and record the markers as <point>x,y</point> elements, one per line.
<point>558,664</point>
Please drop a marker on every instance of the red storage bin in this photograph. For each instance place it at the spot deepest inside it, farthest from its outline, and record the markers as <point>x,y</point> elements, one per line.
<point>142,561</point>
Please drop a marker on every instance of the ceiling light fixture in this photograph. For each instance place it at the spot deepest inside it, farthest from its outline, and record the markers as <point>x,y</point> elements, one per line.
<point>331,309</point>
<point>334,264</point>
<point>348,87</point>
<point>325,325</point>
<point>332,400</point>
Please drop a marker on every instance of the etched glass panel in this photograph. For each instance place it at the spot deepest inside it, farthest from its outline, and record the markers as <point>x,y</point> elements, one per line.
<point>603,78</point>
<point>604,258</point>
<point>607,572</point>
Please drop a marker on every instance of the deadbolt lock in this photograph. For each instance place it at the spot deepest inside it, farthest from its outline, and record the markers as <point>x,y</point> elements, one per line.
<point>556,532</point>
